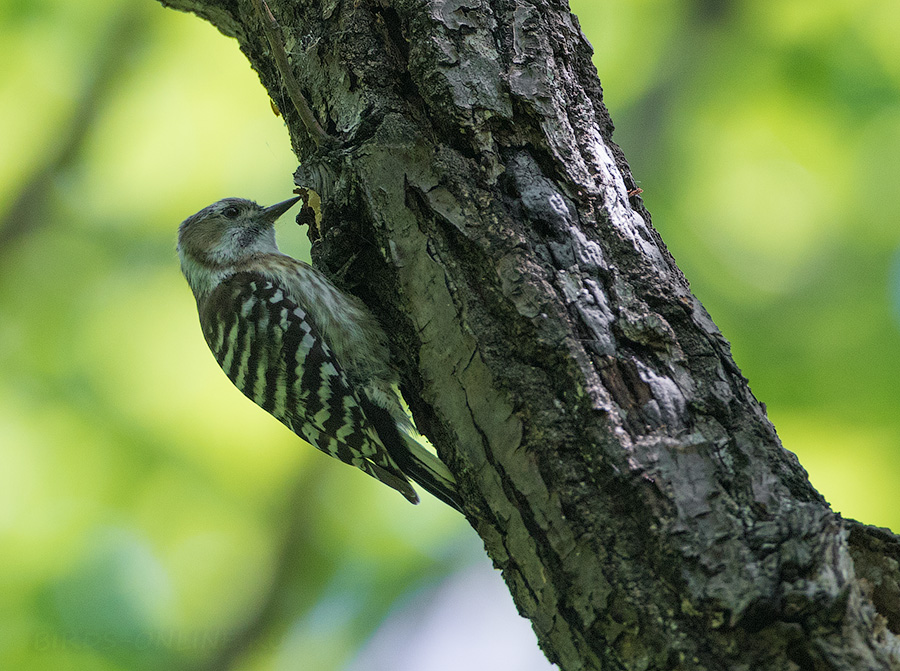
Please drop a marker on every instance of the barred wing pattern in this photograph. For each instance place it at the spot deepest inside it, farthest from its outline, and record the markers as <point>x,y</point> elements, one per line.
<point>271,351</point>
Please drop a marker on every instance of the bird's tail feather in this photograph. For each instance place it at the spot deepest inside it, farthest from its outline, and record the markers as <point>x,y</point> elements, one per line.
<point>403,443</point>
<point>428,471</point>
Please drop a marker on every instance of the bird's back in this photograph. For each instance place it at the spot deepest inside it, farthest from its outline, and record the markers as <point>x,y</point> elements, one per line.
<point>274,353</point>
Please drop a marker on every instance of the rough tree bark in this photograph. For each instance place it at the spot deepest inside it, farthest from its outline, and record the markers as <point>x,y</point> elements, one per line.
<point>610,453</point>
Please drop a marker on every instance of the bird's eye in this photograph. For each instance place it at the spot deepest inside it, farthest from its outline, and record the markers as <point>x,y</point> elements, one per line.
<point>231,212</point>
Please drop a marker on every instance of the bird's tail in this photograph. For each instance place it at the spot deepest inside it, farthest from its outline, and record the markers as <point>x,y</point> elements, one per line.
<point>406,446</point>
<point>420,464</point>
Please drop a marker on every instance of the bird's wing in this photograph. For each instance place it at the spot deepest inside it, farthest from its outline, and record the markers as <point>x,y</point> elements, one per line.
<point>272,351</point>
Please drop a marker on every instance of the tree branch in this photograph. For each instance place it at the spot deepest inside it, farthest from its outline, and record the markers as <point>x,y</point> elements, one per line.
<point>611,455</point>
<point>270,28</point>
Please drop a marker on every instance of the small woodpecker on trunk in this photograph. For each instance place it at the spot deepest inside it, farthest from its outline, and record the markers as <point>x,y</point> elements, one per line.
<point>310,355</point>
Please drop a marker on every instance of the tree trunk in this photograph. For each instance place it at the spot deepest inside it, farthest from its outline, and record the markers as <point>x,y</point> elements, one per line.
<point>610,454</point>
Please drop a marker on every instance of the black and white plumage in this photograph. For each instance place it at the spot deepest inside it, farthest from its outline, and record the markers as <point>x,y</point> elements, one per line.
<point>307,353</point>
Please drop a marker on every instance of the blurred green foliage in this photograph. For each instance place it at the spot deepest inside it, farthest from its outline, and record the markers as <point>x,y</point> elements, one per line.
<point>148,512</point>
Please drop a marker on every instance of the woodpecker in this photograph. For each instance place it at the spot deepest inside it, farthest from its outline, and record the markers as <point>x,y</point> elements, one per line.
<point>309,354</point>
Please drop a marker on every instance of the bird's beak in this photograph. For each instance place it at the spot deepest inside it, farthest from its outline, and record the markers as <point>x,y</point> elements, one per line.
<point>272,212</point>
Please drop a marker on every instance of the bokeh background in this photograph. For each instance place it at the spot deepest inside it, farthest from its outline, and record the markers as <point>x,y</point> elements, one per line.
<point>152,518</point>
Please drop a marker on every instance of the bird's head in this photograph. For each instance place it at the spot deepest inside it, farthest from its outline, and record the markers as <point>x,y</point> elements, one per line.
<point>225,234</point>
